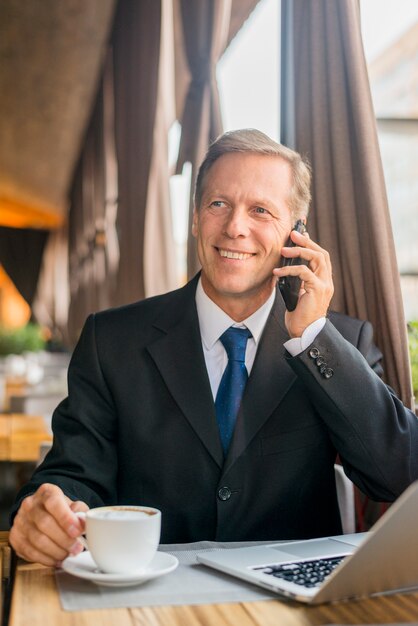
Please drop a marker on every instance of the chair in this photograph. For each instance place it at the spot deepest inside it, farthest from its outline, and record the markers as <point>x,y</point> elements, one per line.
<point>5,571</point>
<point>345,495</point>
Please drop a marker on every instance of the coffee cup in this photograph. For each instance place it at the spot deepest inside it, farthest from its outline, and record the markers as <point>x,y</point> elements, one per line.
<point>122,538</point>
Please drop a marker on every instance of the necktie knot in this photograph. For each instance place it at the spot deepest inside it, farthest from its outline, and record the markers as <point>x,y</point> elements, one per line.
<point>234,341</point>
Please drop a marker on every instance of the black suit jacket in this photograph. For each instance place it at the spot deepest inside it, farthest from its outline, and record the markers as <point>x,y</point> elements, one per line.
<point>139,426</point>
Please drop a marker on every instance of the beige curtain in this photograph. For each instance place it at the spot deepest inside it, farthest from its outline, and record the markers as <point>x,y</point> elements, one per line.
<point>327,114</point>
<point>205,27</point>
<point>52,301</point>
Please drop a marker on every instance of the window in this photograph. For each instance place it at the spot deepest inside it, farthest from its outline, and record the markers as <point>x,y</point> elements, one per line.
<point>249,71</point>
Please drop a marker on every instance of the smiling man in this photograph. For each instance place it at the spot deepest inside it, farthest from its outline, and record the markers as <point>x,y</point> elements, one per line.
<point>215,404</point>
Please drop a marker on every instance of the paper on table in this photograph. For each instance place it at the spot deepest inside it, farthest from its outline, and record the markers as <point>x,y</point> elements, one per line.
<point>190,583</point>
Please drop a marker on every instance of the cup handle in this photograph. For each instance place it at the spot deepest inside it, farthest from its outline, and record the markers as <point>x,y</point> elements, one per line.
<point>82,539</point>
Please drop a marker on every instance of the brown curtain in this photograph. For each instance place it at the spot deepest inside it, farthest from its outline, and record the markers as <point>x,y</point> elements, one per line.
<point>92,237</point>
<point>159,249</point>
<point>327,114</point>
<point>119,197</point>
<point>205,26</point>
<point>136,54</point>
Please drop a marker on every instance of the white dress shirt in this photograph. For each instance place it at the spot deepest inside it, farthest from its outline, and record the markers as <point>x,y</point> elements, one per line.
<point>213,322</point>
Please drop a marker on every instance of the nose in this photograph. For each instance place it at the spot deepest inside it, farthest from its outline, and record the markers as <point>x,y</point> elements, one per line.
<point>237,224</point>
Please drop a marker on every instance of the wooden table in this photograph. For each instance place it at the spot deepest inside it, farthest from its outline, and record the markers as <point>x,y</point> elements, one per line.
<point>35,601</point>
<point>21,437</point>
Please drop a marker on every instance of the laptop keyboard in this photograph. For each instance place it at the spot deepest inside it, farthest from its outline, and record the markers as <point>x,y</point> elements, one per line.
<point>305,573</point>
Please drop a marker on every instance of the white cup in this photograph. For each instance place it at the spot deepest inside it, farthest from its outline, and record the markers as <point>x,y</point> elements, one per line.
<point>122,538</point>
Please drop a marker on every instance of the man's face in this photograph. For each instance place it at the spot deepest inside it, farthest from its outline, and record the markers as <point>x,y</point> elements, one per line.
<point>241,226</point>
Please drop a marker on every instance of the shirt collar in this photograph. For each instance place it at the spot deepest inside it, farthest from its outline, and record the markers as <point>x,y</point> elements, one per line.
<point>213,321</point>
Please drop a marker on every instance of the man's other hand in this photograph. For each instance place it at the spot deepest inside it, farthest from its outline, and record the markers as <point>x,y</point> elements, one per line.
<point>317,287</point>
<point>45,528</point>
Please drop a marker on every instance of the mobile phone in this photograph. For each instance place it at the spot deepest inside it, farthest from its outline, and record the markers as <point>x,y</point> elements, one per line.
<point>290,285</point>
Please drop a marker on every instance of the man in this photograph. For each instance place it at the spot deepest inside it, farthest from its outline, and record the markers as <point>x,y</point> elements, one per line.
<point>148,417</point>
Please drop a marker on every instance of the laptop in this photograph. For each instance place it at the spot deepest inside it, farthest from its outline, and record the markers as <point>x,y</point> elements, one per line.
<point>328,569</point>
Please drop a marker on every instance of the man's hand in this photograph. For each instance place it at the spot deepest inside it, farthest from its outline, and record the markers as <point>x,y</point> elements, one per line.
<point>317,286</point>
<point>45,528</point>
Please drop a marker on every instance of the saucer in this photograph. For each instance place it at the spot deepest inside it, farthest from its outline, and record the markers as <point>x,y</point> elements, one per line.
<point>83,566</point>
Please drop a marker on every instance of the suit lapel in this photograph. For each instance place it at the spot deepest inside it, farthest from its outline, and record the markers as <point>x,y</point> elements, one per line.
<point>269,381</point>
<point>178,354</point>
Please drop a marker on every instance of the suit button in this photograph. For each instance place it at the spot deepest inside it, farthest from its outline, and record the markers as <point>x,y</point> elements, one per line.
<point>224,493</point>
<point>320,361</point>
<point>314,353</point>
<point>329,373</point>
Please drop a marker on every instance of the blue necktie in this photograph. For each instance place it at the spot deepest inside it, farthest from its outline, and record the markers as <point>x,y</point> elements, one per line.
<point>232,385</point>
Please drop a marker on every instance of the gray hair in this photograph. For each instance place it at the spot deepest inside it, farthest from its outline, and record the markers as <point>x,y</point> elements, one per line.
<point>254,141</point>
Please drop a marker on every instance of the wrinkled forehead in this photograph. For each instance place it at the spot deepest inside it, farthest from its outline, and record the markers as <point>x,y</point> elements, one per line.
<point>265,175</point>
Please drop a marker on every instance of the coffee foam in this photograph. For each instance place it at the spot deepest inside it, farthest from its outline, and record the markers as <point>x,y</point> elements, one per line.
<point>122,513</point>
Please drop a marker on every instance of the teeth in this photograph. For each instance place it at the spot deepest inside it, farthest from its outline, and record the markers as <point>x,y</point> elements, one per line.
<point>241,256</point>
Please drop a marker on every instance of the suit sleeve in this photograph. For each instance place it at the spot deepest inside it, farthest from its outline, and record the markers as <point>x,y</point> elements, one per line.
<point>375,435</point>
<point>83,459</point>
<point>368,349</point>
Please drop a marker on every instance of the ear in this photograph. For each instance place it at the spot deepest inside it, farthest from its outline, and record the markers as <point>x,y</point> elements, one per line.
<point>195,223</point>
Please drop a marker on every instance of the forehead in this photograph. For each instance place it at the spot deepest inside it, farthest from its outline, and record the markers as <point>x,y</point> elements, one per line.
<point>249,172</point>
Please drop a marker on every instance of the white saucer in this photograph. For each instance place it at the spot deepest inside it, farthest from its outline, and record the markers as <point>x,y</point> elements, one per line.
<point>83,566</point>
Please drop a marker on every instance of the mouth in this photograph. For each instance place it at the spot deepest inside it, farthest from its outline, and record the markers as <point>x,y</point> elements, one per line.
<point>234,254</point>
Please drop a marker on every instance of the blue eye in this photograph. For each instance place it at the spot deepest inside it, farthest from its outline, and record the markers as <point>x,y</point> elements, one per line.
<point>218,207</point>
<point>260,211</point>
